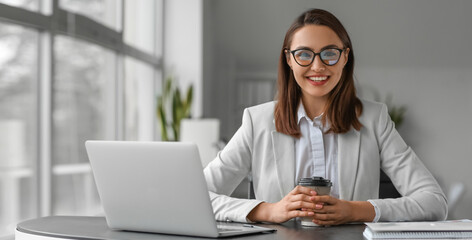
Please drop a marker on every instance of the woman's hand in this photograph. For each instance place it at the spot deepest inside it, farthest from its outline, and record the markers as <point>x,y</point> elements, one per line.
<point>332,211</point>
<point>289,207</point>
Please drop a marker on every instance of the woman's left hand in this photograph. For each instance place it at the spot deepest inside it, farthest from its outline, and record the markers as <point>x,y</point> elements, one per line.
<point>333,211</point>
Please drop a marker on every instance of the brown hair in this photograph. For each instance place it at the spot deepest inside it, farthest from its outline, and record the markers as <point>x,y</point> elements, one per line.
<point>344,106</point>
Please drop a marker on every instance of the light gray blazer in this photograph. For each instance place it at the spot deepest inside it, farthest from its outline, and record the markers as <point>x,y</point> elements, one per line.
<point>259,149</point>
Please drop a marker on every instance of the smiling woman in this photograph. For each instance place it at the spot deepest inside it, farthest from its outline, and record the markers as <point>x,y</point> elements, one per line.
<point>318,127</point>
<point>323,72</point>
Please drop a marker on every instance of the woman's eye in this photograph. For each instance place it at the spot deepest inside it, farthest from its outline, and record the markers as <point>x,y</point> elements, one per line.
<point>304,55</point>
<point>329,54</point>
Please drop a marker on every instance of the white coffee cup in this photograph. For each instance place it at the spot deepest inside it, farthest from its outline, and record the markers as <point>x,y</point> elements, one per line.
<point>321,186</point>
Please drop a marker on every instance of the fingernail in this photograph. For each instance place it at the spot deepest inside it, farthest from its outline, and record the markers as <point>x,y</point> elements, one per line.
<point>311,213</point>
<point>318,206</point>
<point>313,193</point>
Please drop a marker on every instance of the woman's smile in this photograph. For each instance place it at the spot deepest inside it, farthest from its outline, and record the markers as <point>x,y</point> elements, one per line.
<point>317,80</point>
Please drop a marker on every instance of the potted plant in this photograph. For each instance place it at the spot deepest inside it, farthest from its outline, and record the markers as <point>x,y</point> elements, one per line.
<point>396,113</point>
<point>180,107</point>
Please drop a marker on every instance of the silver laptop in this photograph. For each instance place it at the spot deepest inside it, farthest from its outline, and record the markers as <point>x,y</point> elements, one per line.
<point>156,187</point>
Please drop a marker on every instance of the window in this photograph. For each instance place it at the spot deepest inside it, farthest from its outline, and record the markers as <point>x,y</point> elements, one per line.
<point>139,109</point>
<point>83,98</point>
<point>32,5</point>
<point>137,25</point>
<point>18,124</point>
<point>102,11</point>
<point>92,74</point>
<point>82,109</point>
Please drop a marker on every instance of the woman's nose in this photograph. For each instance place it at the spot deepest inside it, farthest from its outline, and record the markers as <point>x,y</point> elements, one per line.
<point>317,65</point>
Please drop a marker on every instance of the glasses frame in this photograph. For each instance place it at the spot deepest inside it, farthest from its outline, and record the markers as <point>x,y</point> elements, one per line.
<point>314,55</point>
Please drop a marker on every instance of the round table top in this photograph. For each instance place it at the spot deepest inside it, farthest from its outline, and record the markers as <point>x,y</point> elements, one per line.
<point>81,227</point>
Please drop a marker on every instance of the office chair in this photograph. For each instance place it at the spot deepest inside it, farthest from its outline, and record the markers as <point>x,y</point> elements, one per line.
<point>386,187</point>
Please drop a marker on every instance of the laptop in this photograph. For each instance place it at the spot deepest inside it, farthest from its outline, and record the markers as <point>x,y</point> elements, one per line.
<point>157,187</point>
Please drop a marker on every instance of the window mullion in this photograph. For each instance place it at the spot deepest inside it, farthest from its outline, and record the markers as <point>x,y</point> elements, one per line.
<point>119,87</point>
<point>119,97</point>
<point>45,123</point>
<point>76,25</point>
<point>23,17</point>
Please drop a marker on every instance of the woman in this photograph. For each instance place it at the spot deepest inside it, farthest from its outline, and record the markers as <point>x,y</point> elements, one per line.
<point>319,127</point>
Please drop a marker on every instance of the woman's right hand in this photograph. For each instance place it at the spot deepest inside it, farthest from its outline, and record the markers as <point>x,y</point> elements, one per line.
<point>289,207</point>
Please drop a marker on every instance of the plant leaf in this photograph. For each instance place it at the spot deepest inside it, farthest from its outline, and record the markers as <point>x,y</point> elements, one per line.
<point>188,101</point>
<point>175,128</point>
<point>163,123</point>
<point>174,108</point>
<point>167,88</point>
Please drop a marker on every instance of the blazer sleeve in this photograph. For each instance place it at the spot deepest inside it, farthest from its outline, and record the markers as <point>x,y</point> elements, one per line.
<point>226,172</point>
<point>422,198</point>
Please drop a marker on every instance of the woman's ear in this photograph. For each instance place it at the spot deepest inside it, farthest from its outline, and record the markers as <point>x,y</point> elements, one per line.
<point>346,55</point>
<point>288,58</point>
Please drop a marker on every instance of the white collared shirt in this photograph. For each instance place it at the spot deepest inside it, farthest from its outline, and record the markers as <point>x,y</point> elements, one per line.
<point>316,152</point>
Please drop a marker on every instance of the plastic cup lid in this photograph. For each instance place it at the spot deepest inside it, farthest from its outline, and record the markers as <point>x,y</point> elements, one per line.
<point>315,181</point>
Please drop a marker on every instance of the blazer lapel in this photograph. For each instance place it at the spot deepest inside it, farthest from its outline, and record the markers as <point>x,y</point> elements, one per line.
<point>348,160</point>
<point>284,155</point>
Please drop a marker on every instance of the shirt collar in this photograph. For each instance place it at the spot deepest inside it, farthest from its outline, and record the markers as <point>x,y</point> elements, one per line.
<point>301,112</point>
<point>302,115</point>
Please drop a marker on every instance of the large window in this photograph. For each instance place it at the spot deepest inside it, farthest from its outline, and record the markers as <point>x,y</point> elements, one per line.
<point>83,94</point>
<point>32,5</point>
<point>138,95</point>
<point>102,11</point>
<point>88,69</point>
<point>82,98</point>
<point>138,26</point>
<point>18,124</point>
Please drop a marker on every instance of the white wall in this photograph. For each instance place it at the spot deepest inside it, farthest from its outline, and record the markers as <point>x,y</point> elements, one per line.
<point>183,51</point>
<point>418,51</point>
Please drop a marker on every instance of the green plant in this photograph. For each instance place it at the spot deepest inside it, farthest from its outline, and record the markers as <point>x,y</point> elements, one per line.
<point>397,113</point>
<point>180,108</point>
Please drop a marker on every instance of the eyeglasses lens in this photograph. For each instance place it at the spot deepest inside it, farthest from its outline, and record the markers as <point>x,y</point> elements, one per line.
<point>330,56</point>
<point>304,57</point>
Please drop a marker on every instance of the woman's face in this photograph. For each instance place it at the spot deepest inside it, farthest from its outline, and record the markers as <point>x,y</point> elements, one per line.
<point>317,79</point>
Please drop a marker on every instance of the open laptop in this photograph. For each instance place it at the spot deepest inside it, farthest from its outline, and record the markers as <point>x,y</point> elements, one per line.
<point>156,187</point>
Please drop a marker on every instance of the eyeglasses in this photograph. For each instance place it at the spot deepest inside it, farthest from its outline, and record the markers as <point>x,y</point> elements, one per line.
<point>329,56</point>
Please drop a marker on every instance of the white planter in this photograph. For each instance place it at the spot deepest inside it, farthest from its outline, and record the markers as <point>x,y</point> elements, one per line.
<point>205,133</point>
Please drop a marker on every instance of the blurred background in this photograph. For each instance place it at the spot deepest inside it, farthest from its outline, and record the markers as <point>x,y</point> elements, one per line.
<point>73,70</point>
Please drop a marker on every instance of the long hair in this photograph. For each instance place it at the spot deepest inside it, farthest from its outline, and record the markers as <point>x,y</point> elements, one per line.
<point>343,106</point>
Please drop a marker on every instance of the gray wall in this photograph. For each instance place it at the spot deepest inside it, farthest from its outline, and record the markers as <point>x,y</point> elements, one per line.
<point>417,51</point>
